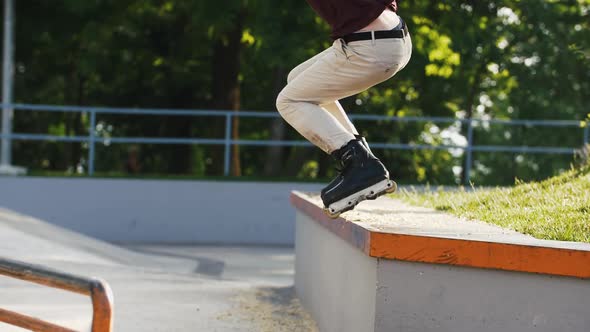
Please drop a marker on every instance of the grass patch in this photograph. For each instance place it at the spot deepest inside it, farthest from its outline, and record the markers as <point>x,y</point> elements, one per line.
<point>555,209</point>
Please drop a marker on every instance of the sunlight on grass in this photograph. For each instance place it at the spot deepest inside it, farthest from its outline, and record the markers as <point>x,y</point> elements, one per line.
<point>554,209</point>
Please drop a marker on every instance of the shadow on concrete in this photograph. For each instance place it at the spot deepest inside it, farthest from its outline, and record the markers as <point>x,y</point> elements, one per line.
<point>206,266</point>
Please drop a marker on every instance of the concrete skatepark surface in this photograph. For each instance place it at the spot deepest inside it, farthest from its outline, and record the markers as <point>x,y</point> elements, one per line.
<point>156,288</point>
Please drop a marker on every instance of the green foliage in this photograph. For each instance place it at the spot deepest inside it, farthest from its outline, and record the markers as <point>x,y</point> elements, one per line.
<point>506,59</point>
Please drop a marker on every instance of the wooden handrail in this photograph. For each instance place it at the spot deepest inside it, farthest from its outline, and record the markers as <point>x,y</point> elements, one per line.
<point>97,289</point>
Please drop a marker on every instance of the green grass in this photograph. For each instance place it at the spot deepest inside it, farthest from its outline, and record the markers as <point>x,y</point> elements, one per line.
<point>555,209</point>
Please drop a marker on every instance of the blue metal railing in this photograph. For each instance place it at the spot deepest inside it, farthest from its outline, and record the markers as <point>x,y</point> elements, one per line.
<point>92,139</point>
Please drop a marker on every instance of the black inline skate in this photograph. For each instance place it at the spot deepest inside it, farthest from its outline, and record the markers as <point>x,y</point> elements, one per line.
<point>362,176</point>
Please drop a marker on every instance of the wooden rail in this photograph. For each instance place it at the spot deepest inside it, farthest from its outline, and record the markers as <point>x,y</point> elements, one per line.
<point>98,290</point>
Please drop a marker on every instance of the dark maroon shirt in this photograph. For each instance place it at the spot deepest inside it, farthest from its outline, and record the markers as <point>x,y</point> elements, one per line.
<point>348,16</point>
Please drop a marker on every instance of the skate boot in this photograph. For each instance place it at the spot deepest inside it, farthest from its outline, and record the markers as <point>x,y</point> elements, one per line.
<point>364,141</point>
<point>362,176</point>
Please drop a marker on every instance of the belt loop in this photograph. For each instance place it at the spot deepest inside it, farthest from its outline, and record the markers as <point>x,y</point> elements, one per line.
<point>373,36</point>
<point>343,46</point>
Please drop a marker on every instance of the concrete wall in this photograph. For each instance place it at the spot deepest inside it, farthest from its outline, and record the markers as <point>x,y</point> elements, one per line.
<point>418,297</point>
<point>347,290</point>
<point>159,211</point>
<point>334,281</point>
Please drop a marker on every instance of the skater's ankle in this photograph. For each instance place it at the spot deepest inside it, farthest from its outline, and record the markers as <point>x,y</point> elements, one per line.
<point>365,143</point>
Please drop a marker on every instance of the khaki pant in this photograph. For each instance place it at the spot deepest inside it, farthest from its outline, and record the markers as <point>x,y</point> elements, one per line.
<point>309,102</point>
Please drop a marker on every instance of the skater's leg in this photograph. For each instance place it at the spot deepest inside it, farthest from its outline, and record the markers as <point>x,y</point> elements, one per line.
<point>340,72</point>
<point>314,123</point>
<point>306,115</point>
<point>335,108</point>
<point>304,65</point>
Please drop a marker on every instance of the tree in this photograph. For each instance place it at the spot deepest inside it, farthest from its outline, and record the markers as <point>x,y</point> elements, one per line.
<point>471,59</point>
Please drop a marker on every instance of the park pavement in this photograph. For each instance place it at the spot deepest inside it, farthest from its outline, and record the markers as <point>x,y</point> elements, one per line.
<point>156,287</point>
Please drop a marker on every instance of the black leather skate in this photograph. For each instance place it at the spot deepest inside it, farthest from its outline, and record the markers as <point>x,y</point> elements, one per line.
<point>366,145</point>
<point>362,176</point>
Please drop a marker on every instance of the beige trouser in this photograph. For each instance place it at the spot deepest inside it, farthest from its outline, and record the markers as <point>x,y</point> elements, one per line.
<point>309,102</point>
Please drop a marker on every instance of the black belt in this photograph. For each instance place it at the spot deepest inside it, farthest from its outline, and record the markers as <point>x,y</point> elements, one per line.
<point>397,32</point>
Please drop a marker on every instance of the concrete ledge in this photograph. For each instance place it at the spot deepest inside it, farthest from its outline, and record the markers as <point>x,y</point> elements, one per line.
<point>387,266</point>
<point>451,241</point>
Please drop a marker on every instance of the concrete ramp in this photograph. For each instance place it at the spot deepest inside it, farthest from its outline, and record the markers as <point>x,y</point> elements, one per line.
<point>155,288</point>
<point>36,241</point>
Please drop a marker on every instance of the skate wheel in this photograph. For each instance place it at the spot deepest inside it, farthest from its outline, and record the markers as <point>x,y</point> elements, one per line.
<point>331,214</point>
<point>392,188</point>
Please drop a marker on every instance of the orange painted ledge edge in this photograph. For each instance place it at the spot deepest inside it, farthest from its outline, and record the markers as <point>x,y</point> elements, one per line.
<point>460,252</point>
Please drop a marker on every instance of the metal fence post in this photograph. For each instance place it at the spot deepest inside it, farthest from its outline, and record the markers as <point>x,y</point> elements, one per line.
<point>469,152</point>
<point>7,83</point>
<point>91,140</point>
<point>227,155</point>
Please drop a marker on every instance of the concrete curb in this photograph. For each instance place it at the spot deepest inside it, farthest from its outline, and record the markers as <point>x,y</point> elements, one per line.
<point>387,266</point>
<point>520,254</point>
